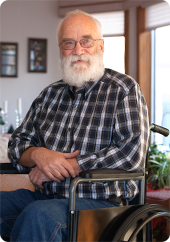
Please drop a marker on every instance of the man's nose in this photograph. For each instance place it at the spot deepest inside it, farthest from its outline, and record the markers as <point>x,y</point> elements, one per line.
<point>78,50</point>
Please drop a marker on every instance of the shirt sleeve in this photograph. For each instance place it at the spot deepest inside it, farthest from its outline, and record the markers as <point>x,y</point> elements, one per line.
<point>24,137</point>
<point>130,137</point>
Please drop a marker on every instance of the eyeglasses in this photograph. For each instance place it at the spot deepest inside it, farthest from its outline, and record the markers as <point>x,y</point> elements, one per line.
<point>85,43</point>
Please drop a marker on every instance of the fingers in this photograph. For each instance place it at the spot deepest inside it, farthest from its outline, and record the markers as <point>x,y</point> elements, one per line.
<point>52,166</point>
<point>37,178</point>
<point>33,176</point>
<point>64,168</point>
<point>58,169</point>
<point>71,155</point>
<point>55,171</point>
<point>75,165</point>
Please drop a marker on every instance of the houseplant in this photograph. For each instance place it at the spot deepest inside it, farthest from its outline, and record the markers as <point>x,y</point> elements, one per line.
<point>158,168</point>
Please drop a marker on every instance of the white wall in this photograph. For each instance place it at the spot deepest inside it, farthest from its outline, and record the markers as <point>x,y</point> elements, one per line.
<point>23,19</point>
<point>20,20</point>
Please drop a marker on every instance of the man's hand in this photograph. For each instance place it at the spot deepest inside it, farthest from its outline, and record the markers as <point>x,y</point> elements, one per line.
<point>52,164</point>
<point>74,163</point>
<point>37,177</point>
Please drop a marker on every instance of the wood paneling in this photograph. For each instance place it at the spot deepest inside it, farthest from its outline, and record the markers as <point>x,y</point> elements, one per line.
<point>127,42</point>
<point>144,57</point>
<point>141,27</point>
<point>145,67</point>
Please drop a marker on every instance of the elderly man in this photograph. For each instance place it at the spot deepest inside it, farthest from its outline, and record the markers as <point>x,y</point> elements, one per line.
<point>92,119</point>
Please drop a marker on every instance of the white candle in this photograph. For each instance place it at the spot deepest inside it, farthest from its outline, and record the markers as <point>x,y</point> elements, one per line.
<point>19,105</point>
<point>5,106</point>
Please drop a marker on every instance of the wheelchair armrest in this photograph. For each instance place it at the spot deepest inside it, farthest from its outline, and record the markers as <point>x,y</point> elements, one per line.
<point>104,175</point>
<point>8,168</point>
<point>110,173</point>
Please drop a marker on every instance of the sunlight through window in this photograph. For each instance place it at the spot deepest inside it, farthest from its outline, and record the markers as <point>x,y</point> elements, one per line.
<point>161,82</point>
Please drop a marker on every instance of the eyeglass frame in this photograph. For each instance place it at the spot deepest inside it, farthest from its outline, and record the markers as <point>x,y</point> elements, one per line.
<point>80,43</point>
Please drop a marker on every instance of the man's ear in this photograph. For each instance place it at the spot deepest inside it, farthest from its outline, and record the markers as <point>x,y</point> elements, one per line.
<point>101,46</point>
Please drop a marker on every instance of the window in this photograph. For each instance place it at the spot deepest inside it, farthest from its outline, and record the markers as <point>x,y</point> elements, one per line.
<point>114,53</point>
<point>161,82</point>
<point>114,41</point>
<point>158,21</point>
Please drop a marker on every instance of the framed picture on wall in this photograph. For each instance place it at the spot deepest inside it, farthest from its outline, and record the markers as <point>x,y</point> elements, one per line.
<point>8,59</point>
<point>37,55</point>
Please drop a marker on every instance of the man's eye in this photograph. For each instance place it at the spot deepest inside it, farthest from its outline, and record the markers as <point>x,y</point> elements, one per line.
<point>86,41</point>
<point>69,43</point>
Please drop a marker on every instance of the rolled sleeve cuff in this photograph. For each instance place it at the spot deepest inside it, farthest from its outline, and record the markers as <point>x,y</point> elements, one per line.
<point>87,162</point>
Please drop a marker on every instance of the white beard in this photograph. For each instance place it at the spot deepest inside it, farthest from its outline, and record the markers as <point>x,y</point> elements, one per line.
<point>77,74</point>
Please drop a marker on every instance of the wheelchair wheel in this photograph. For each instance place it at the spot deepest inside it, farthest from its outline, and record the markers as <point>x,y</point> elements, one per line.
<point>142,216</point>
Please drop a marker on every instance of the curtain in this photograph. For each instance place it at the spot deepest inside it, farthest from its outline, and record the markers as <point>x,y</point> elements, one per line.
<point>112,23</point>
<point>157,15</point>
<point>98,6</point>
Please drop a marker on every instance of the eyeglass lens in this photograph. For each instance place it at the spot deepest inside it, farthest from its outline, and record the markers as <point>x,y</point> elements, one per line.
<point>70,44</point>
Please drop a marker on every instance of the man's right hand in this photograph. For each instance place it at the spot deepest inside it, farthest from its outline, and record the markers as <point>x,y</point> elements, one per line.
<point>53,164</point>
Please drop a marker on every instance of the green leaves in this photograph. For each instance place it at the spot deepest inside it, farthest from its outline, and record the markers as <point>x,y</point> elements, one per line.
<point>159,166</point>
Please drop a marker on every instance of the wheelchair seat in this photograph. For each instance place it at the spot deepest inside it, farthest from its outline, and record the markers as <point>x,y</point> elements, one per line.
<point>117,223</point>
<point>120,224</point>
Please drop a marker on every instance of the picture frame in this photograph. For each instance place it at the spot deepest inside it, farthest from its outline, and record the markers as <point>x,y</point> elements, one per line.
<point>8,59</point>
<point>37,55</point>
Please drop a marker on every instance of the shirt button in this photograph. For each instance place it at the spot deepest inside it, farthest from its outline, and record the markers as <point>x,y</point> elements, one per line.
<point>75,106</point>
<point>69,129</point>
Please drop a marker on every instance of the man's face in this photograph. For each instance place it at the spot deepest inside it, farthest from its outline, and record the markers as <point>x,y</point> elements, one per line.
<point>81,64</point>
<point>76,28</point>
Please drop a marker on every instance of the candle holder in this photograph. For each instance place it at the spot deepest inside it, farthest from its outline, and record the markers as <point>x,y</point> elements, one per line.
<point>6,123</point>
<point>3,122</point>
<point>18,118</point>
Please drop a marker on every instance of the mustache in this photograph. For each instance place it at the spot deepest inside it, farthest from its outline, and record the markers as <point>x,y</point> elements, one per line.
<point>73,58</point>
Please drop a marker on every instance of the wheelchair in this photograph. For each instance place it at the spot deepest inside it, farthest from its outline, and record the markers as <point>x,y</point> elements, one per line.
<point>118,224</point>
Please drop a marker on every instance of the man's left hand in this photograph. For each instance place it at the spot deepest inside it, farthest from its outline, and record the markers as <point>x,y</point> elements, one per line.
<point>74,163</point>
<point>37,177</point>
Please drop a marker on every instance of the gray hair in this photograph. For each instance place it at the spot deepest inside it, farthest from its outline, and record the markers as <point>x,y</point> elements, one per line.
<point>79,12</point>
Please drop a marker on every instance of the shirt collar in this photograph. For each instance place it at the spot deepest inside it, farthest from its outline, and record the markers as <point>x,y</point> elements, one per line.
<point>86,89</point>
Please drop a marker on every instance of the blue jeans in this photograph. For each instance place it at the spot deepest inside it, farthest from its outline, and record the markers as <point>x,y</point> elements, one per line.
<point>31,216</point>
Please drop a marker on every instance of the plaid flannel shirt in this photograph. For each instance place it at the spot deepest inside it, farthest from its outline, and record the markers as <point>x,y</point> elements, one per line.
<point>106,121</point>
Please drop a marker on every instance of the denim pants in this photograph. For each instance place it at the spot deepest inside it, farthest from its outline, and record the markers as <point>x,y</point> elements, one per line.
<point>31,216</point>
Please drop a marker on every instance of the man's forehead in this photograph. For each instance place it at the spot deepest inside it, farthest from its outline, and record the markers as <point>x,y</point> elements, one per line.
<point>82,37</point>
<point>78,26</point>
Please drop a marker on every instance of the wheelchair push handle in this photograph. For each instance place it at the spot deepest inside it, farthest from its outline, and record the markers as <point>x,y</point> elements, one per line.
<point>159,129</point>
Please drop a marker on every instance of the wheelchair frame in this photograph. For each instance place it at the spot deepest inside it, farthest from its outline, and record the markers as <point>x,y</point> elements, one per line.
<point>95,176</point>
<point>115,175</point>
<point>109,175</point>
